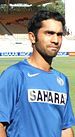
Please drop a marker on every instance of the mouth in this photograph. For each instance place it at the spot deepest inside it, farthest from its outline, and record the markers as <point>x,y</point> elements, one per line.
<point>54,48</point>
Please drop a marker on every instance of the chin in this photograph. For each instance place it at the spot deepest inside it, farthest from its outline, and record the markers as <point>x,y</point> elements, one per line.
<point>53,55</point>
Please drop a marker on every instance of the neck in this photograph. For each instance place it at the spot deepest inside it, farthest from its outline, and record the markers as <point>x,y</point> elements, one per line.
<point>40,62</point>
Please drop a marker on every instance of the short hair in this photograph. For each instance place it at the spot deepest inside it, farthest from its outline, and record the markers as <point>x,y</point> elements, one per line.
<point>35,22</point>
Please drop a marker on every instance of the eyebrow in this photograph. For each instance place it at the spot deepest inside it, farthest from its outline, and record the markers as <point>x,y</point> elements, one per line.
<point>53,32</point>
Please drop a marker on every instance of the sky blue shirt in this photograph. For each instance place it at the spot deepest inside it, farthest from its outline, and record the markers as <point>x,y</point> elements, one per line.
<point>34,103</point>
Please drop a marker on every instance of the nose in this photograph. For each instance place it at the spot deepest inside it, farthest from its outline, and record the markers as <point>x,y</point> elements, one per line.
<point>55,39</point>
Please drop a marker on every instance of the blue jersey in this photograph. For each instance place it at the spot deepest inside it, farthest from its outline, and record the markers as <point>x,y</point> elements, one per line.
<point>34,103</point>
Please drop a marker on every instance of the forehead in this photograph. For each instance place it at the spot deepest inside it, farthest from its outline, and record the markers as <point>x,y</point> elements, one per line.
<point>52,24</point>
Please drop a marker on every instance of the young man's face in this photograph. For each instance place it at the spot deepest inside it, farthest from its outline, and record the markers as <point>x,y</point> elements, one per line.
<point>49,38</point>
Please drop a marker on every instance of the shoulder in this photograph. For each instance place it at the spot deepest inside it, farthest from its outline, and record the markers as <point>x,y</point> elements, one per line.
<point>58,73</point>
<point>61,76</point>
<point>62,79</point>
<point>12,71</point>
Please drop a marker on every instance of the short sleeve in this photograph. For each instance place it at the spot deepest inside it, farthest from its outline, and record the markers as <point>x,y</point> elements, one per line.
<point>68,118</point>
<point>8,94</point>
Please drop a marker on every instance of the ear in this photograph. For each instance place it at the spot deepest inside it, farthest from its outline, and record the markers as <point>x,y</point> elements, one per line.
<point>32,37</point>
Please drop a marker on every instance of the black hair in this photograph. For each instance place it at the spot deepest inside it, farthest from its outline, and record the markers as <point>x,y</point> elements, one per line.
<point>35,22</point>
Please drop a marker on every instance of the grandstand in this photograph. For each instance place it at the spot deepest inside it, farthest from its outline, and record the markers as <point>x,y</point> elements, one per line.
<point>25,1</point>
<point>13,31</point>
<point>13,35</point>
<point>14,23</point>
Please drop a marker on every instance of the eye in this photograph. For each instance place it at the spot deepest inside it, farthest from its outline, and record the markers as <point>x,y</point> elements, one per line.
<point>51,32</point>
<point>60,34</point>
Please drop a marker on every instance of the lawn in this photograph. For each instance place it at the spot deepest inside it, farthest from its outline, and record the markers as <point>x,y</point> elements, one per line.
<point>67,66</point>
<point>63,64</point>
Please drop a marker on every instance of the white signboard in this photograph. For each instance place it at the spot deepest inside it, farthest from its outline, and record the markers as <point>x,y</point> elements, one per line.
<point>12,47</point>
<point>9,47</point>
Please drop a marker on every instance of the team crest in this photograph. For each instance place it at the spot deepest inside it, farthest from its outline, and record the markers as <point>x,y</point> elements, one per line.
<point>60,81</point>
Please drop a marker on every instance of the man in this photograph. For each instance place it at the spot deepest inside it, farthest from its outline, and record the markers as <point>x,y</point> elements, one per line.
<point>34,97</point>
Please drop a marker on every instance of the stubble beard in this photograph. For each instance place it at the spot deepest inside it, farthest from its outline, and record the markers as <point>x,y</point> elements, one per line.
<point>47,57</point>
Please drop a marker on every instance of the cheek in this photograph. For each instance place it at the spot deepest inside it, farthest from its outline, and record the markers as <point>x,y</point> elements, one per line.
<point>45,40</point>
<point>40,45</point>
<point>41,40</point>
<point>42,37</point>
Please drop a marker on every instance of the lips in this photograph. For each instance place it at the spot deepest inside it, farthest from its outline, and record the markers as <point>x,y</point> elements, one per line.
<point>53,47</point>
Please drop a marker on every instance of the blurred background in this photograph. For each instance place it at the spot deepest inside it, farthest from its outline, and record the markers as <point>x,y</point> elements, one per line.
<point>14,41</point>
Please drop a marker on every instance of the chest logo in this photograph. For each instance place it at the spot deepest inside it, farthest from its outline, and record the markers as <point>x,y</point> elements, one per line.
<point>47,96</point>
<point>33,74</point>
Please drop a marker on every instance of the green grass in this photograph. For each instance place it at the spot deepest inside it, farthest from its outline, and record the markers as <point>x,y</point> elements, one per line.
<point>63,64</point>
<point>67,66</point>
